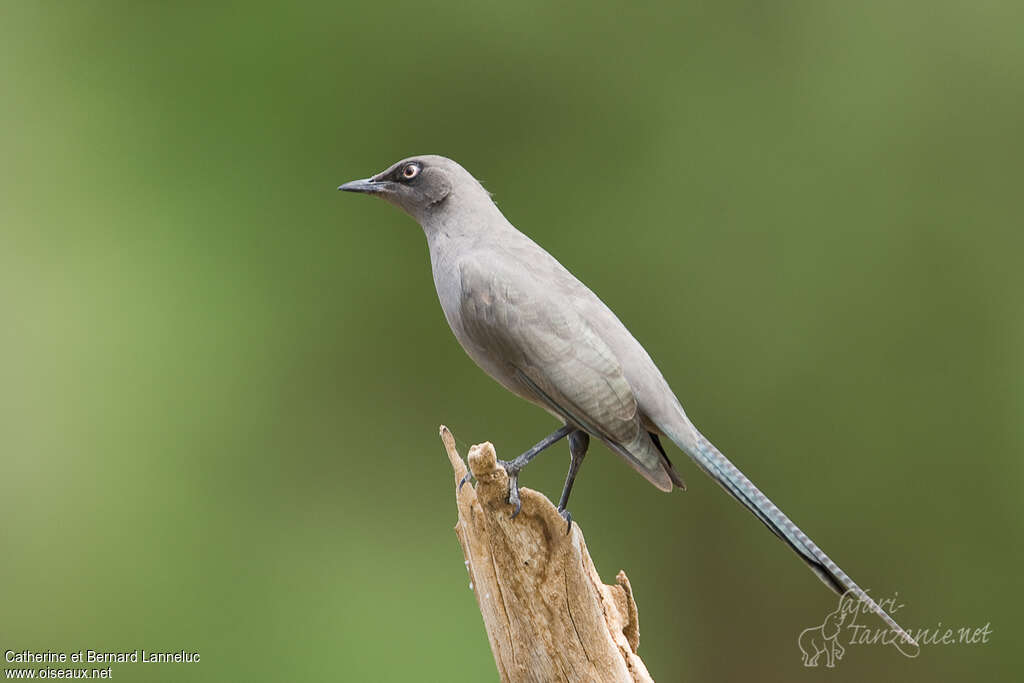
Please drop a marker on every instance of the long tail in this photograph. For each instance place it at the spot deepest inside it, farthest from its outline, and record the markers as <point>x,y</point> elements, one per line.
<point>742,489</point>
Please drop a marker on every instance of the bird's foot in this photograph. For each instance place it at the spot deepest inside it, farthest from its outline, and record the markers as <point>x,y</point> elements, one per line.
<point>567,516</point>
<point>469,475</point>
<point>512,469</point>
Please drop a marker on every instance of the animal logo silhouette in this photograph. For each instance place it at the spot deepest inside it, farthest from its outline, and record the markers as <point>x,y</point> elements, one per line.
<point>824,639</point>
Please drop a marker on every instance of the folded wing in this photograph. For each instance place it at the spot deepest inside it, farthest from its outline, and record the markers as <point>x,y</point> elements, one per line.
<point>558,358</point>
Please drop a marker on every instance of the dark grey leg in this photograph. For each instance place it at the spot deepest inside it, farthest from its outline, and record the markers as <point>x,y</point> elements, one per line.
<point>579,440</point>
<point>514,467</point>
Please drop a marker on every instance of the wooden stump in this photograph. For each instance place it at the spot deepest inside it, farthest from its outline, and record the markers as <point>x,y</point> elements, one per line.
<point>547,613</point>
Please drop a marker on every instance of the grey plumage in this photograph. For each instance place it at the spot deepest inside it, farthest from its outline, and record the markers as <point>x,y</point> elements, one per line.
<point>540,332</point>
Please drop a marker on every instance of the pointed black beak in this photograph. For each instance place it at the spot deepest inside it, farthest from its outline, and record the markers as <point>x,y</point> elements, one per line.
<point>366,186</point>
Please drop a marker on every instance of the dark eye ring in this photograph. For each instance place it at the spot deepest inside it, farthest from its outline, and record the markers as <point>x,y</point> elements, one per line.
<point>410,171</point>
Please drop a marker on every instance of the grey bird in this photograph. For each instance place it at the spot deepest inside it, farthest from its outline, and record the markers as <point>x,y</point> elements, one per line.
<point>544,336</point>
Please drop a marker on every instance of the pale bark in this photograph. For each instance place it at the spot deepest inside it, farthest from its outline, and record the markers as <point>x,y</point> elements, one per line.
<point>548,615</point>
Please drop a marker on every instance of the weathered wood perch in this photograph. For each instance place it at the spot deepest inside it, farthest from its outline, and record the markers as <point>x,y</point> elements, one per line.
<point>547,614</point>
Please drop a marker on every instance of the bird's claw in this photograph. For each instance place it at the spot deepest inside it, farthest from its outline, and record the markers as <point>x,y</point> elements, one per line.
<point>513,499</point>
<point>513,486</point>
<point>567,516</point>
<point>469,475</point>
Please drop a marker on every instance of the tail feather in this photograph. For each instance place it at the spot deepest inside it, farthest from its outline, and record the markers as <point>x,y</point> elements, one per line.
<point>676,478</point>
<point>711,460</point>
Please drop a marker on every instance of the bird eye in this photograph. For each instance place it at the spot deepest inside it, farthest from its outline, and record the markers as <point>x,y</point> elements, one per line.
<point>410,171</point>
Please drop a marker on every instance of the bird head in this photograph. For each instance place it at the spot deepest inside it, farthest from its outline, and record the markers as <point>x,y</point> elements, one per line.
<point>421,185</point>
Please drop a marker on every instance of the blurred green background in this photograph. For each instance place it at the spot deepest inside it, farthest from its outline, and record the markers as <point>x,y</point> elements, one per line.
<point>221,380</point>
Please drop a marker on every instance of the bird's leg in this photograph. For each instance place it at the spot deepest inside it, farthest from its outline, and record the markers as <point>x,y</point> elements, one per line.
<point>579,440</point>
<point>514,467</point>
